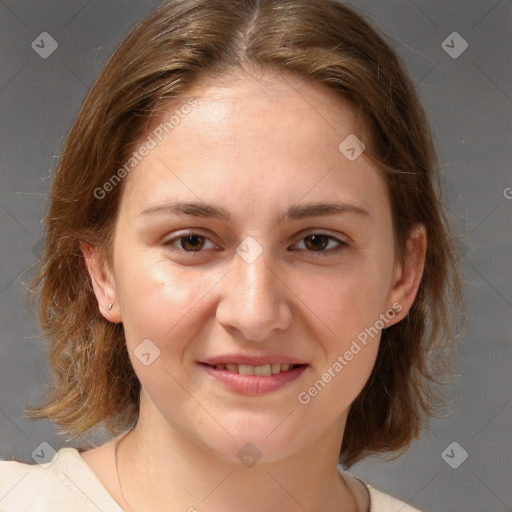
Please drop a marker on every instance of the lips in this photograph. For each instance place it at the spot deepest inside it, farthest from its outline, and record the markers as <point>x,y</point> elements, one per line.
<point>251,375</point>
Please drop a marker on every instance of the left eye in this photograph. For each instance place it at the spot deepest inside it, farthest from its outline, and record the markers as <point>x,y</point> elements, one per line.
<point>320,243</point>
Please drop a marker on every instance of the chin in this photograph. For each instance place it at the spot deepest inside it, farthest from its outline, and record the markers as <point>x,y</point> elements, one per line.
<point>250,446</point>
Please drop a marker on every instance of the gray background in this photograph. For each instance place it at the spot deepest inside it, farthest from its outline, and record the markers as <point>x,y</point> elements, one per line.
<point>469,101</point>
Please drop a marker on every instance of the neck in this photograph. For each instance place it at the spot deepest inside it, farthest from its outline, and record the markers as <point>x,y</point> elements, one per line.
<point>159,470</point>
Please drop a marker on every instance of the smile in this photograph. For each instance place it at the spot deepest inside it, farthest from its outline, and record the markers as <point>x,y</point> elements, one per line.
<point>246,379</point>
<point>265,370</point>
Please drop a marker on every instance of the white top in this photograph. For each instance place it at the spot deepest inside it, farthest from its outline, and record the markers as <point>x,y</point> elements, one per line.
<point>68,484</point>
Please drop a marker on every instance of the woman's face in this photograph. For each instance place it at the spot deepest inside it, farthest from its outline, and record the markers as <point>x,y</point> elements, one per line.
<point>247,270</point>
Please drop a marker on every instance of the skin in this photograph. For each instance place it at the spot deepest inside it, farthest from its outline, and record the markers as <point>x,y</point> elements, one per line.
<point>255,146</point>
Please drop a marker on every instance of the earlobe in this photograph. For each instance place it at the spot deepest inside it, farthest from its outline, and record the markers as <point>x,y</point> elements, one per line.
<point>408,277</point>
<point>102,282</point>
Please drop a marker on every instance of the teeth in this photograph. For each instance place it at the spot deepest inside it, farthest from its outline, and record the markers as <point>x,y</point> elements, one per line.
<point>276,368</point>
<point>265,370</point>
<point>245,369</point>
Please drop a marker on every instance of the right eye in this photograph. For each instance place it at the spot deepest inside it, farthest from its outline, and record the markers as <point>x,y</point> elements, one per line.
<point>188,242</point>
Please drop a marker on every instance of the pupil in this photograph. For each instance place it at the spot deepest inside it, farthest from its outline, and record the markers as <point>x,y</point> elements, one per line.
<point>317,241</point>
<point>193,241</point>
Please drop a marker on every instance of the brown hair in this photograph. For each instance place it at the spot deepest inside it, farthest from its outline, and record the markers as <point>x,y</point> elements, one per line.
<point>322,41</point>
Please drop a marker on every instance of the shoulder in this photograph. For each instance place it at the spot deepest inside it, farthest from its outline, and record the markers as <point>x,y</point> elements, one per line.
<point>381,502</point>
<point>64,484</point>
<point>373,500</point>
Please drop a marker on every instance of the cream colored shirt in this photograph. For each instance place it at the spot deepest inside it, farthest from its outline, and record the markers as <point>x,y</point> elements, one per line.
<point>68,484</point>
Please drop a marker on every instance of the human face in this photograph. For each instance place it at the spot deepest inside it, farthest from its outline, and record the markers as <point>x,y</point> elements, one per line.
<point>254,149</point>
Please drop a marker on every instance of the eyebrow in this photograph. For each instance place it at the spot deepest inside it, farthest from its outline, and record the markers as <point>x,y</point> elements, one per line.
<point>200,209</point>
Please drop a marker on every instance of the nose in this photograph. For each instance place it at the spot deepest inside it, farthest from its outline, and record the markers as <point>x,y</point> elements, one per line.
<point>255,299</point>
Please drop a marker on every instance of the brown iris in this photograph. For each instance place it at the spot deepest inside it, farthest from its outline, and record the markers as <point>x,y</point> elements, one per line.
<point>316,242</point>
<point>194,242</point>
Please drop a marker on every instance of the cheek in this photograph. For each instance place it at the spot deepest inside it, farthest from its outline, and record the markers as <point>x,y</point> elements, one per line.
<point>346,300</point>
<point>350,307</point>
<point>159,299</point>
<point>349,304</point>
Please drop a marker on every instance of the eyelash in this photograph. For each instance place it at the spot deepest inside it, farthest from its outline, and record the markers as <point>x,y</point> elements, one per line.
<point>341,244</point>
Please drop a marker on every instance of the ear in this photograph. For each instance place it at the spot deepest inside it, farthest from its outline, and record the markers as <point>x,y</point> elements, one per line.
<point>407,278</point>
<point>103,282</point>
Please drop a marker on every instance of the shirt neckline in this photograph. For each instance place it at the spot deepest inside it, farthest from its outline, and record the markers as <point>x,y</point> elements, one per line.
<point>81,470</point>
<point>77,469</point>
<point>367,489</point>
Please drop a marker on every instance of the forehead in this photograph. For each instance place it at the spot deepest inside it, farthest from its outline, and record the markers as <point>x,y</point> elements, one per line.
<point>255,96</point>
<point>249,137</point>
<point>260,95</point>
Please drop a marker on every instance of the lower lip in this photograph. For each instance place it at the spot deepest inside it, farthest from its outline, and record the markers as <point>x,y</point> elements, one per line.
<point>254,384</point>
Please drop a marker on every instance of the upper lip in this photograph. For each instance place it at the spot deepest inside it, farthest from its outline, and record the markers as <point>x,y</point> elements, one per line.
<point>251,360</point>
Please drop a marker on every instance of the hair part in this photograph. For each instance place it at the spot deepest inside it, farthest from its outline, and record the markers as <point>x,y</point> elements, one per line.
<point>176,46</point>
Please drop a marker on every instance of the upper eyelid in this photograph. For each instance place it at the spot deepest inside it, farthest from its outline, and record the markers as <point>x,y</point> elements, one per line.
<point>322,233</point>
<point>176,238</point>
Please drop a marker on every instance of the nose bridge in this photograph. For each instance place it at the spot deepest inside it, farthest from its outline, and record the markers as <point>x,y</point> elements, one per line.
<point>254,301</point>
<point>256,281</point>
